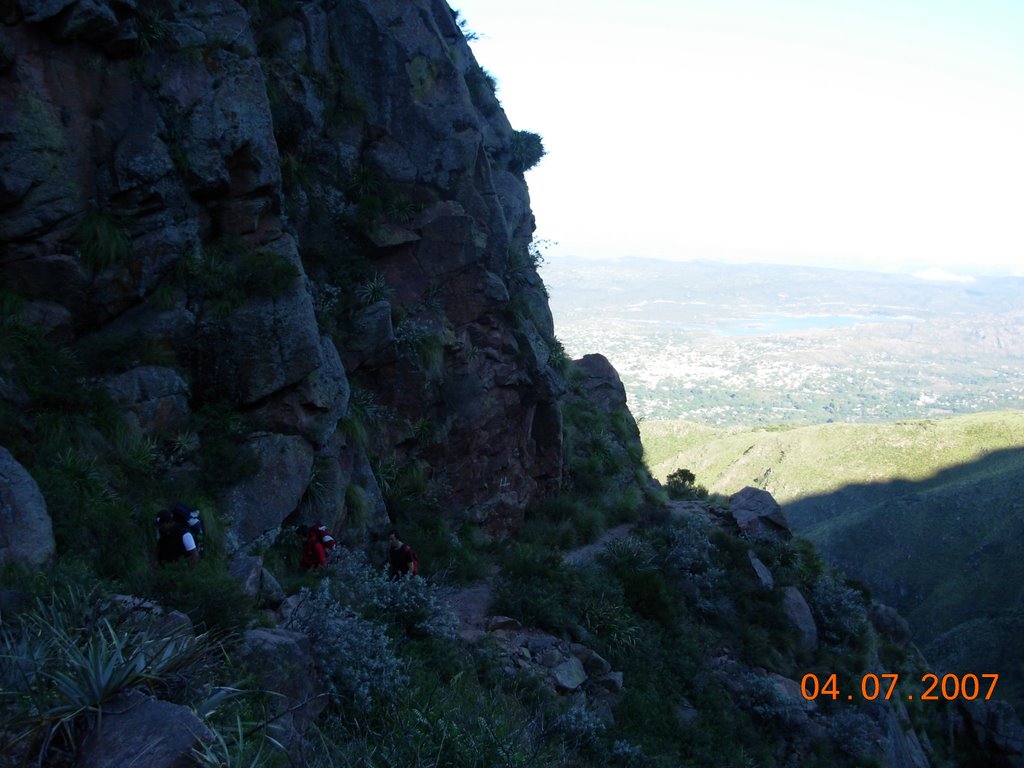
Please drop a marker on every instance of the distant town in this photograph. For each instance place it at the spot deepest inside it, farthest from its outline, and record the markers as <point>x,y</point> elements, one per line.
<point>730,345</point>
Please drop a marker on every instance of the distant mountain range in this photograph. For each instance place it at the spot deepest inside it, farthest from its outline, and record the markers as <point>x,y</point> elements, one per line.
<point>764,344</point>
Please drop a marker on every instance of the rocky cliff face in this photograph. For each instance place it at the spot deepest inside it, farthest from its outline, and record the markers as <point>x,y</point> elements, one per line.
<point>310,216</point>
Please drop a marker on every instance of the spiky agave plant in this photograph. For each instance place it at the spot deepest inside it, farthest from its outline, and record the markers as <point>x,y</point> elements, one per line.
<point>64,660</point>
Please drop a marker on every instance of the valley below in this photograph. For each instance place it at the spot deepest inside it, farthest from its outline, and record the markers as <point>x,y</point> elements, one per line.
<point>884,412</point>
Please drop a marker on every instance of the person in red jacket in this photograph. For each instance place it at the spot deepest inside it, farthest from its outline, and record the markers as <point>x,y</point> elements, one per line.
<point>314,554</point>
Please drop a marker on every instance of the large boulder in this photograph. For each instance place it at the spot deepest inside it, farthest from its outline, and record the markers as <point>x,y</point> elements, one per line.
<point>602,384</point>
<point>138,730</point>
<point>373,342</point>
<point>262,502</point>
<point>262,346</point>
<point>887,621</point>
<point>55,320</point>
<point>569,675</point>
<point>37,166</point>
<point>758,515</point>
<point>255,580</point>
<point>282,661</point>
<point>222,118</point>
<point>26,531</point>
<point>312,407</point>
<point>898,744</point>
<point>764,575</point>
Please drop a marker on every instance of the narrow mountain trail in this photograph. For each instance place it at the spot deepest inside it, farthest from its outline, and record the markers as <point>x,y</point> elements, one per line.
<point>470,602</point>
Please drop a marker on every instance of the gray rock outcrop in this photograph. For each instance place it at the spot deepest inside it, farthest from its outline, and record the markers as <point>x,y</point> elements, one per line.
<point>264,501</point>
<point>764,575</point>
<point>155,397</point>
<point>758,515</point>
<point>283,662</point>
<point>26,531</point>
<point>993,729</point>
<point>140,730</point>
<point>798,612</point>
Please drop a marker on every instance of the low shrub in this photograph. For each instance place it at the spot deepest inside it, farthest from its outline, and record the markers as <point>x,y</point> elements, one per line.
<point>91,520</point>
<point>760,696</point>
<point>841,612</point>
<point>852,732</point>
<point>565,521</point>
<point>411,605</point>
<point>356,655</point>
<point>225,459</point>
<point>626,505</point>
<point>649,596</point>
<point>482,89</point>
<point>589,474</point>
<point>682,484</point>
<point>230,271</point>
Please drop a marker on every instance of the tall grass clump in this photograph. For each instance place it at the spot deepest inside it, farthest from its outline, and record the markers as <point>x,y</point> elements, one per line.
<point>526,150</point>
<point>103,241</point>
<point>230,271</point>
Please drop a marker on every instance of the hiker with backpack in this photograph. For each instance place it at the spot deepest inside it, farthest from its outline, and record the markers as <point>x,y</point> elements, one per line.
<point>179,534</point>
<point>402,558</point>
<point>317,544</point>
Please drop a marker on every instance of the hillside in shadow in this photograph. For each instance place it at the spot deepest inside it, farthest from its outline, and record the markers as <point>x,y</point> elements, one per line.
<point>945,551</point>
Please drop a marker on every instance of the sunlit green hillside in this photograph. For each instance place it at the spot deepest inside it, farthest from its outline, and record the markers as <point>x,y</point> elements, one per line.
<point>928,513</point>
<point>815,460</point>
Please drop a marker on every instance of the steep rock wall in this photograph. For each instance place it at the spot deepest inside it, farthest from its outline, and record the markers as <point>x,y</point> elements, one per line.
<point>316,211</point>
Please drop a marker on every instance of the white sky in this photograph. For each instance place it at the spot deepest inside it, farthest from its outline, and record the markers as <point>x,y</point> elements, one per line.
<point>871,134</point>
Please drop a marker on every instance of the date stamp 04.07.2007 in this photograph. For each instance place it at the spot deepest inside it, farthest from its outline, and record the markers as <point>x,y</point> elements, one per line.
<point>930,687</point>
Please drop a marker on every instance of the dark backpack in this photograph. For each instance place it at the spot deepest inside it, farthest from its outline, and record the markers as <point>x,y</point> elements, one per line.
<point>191,521</point>
<point>323,535</point>
<point>169,532</point>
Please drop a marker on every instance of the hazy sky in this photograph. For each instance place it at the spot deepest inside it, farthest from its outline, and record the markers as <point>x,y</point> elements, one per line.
<point>876,134</point>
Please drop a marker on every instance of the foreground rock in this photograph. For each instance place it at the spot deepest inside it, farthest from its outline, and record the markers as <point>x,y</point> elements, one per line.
<point>757,514</point>
<point>26,532</point>
<point>138,730</point>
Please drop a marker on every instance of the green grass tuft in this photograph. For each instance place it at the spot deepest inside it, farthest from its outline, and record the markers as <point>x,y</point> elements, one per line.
<point>103,241</point>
